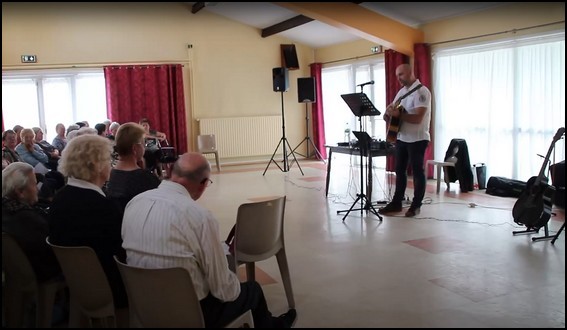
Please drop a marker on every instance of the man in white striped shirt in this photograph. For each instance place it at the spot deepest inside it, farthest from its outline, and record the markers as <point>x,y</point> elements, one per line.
<point>165,227</point>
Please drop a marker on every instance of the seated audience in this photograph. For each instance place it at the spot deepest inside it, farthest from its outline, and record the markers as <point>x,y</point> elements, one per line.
<point>24,221</point>
<point>166,227</point>
<point>9,153</point>
<point>81,214</point>
<point>50,184</point>
<point>151,133</point>
<point>100,129</point>
<point>51,152</point>
<point>18,129</point>
<point>112,130</point>
<point>60,141</point>
<point>30,152</point>
<point>128,178</point>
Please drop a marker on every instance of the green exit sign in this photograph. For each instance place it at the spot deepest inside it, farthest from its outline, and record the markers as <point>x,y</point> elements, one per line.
<point>29,59</point>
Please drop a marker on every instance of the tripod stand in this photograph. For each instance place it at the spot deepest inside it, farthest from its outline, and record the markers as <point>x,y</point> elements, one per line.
<point>360,106</point>
<point>365,204</point>
<point>308,139</point>
<point>285,144</point>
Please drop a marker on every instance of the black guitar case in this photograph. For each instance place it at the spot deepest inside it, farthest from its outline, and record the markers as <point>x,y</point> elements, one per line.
<point>504,187</point>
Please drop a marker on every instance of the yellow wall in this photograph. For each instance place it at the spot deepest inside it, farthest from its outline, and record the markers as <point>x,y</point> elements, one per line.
<point>228,69</point>
<point>504,18</point>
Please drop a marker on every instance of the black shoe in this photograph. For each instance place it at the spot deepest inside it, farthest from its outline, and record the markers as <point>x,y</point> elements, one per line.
<point>413,211</point>
<point>286,320</point>
<point>391,207</point>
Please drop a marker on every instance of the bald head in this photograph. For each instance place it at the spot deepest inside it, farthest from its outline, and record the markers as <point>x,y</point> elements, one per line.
<point>192,171</point>
<point>191,162</point>
<point>405,75</point>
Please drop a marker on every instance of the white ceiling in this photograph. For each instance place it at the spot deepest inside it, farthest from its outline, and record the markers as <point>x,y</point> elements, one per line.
<point>317,34</point>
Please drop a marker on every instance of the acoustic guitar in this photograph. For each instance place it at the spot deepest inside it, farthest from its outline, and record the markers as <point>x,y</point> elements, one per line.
<point>395,122</point>
<point>533,207</point>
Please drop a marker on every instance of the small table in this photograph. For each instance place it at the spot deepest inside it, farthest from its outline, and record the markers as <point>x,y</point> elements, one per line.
<point>440,166</point>
<point>356,151</point>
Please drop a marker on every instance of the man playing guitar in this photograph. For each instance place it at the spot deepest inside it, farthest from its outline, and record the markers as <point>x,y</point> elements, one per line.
<point>412,107</point>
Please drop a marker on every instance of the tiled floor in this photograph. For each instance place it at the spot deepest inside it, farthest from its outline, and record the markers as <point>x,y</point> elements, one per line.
<point>451,266</point>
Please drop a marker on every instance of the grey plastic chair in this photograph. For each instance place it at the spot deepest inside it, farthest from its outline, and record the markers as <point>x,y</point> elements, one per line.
<point>166,298</point>
<point>207,144</point>
<point>259,235</point>
<point>22,286</point>
<point>91,296</point>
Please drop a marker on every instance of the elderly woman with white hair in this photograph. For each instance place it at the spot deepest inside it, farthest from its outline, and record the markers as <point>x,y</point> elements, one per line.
<point>82,215</point>
<point>26,223</point>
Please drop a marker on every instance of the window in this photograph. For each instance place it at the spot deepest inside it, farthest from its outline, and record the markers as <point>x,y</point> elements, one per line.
<point>46,98</point>
<point>506,99</point>
<point>344,79</point>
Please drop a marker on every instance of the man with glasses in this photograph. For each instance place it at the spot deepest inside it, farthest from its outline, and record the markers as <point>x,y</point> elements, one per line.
<point>165,227</point>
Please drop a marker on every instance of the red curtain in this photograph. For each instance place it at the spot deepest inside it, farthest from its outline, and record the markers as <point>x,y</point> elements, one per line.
<point>149,91</point>
<point>391,61</point>
<point>422,70</point>
<point>317,117</point>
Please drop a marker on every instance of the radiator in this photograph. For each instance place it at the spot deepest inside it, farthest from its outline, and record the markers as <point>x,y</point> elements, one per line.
<point>244,136</point>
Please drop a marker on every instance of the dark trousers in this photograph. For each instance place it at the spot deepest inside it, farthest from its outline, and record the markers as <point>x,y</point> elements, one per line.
<point>217,313</point>
<point>412,153</point>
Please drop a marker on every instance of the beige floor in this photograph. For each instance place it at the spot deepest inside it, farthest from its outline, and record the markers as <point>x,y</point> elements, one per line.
<point>451,266</point>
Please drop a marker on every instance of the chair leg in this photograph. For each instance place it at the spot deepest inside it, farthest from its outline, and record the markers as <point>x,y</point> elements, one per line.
<point>286,279</point>
<point>45,301</point>
<point>217,160</point>
<point>438,178</point>
<point>250,271</point>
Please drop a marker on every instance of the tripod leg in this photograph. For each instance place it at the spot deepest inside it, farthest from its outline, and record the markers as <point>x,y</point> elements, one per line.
<point>351,207</point>
<point>294,158</point>
<point>316,150</point>
<point>272,159</point>
<point>300,143</point>
<point>558,233</point>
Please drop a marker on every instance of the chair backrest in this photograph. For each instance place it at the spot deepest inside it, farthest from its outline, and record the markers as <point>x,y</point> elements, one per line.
<point>17,268</point>
<point>206,143</point>
<point>88,284</point>
<point>259,230</point>
<point>162,298</point>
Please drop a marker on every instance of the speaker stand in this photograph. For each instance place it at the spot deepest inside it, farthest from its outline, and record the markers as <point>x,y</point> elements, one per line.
<point>308,140</point>
<point>285,144</point>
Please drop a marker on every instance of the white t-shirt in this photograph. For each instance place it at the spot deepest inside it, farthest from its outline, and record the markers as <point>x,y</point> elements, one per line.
<point>421,98</point>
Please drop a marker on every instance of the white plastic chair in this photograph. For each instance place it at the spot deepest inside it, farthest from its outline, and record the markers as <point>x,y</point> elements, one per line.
<point>166,298</point>
<point>22,286</point>
<point>207,144</point>
<point>259,235</point>
<point>91,296</point>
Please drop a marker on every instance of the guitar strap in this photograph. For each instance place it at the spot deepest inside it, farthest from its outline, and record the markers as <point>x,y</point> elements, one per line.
<point>409,93</point>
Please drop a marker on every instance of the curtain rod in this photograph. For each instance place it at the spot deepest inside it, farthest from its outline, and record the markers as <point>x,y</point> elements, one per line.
<point>497,33</point>
<point>94,65</point>
<point>352,58</point>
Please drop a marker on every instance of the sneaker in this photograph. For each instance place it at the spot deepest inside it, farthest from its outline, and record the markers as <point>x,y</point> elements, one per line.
<point>286,320</point>
<point>413,211</point>
<point>391,207</point>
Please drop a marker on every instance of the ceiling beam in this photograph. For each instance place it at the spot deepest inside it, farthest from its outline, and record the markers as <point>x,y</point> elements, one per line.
<point>197,6</point>
<point>362,22</point>
<point>285,25</point>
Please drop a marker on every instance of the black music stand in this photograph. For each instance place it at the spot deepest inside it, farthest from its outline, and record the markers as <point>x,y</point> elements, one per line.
<point>360,106</point>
